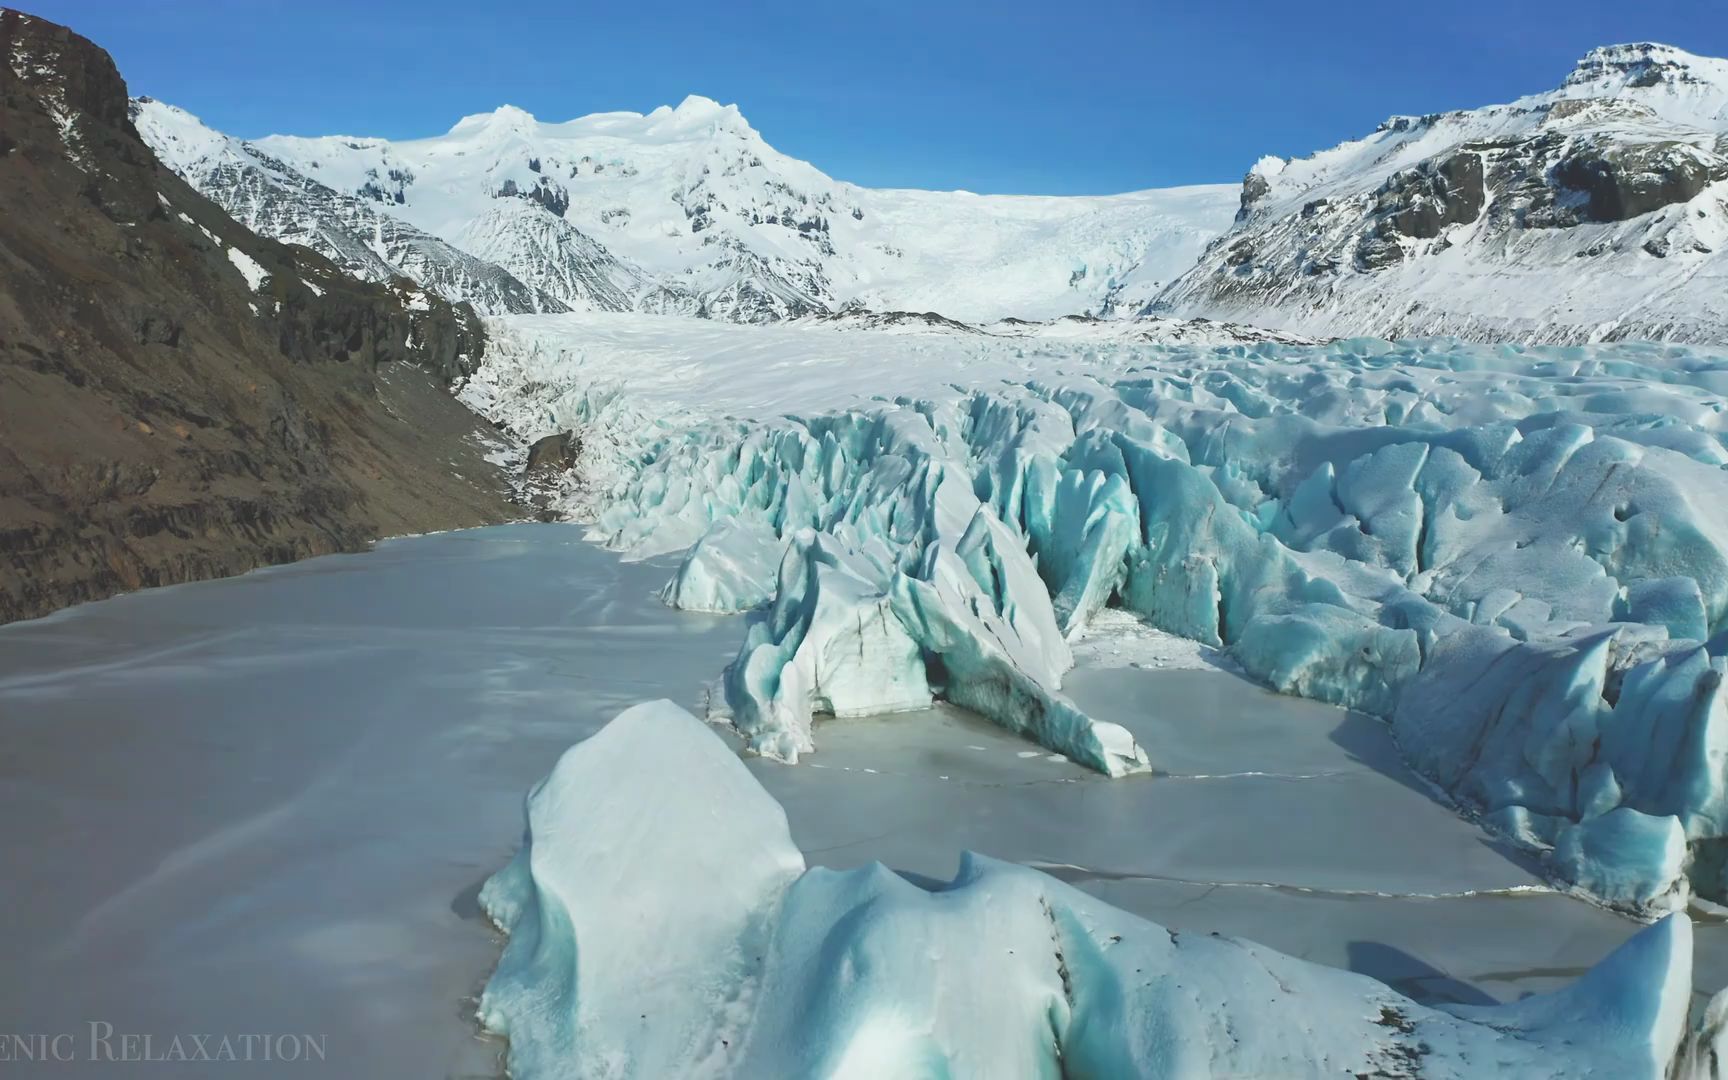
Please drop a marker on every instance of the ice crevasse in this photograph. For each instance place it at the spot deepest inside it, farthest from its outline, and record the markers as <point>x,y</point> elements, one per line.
<point>662,923</point>
<point>1517,556</point>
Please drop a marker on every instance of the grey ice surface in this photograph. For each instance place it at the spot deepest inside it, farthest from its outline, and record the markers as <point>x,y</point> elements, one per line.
<point>264,805</point>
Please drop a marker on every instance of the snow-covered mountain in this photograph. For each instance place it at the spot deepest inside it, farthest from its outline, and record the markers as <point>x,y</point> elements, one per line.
<point>1596,211</point>
<point>274,200</point>
<point>688,210</point>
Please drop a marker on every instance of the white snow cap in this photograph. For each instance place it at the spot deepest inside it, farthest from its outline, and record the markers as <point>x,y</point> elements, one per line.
<point>179,138</point>
<point>698,115</point>
<point>1678,86</point>
<point>504,117</point>
<point>695,107</point>
<point>1646,62</point>
<point>688,210</point>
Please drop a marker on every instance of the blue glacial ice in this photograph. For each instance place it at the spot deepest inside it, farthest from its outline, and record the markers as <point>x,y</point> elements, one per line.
<point>1517,556</point>
<point>662,923</point>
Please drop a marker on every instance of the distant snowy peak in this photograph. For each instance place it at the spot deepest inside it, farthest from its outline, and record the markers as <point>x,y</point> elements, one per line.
<point>1635,91</point>
<point>1672,83</point>
<point>709,219</point>
<point>1596,211</point>
<point>684,210</point>
<point>273,199</point>
<point>696,117</point>
<point>551,256</point>
<point>716,220</point>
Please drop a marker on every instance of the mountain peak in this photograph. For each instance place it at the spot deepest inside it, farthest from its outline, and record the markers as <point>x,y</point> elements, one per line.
<point>503,118</point>
<point>1644,64</point>
<point>1679,86</point>
<point>1631,54</point>
<point>695,106</point>
<point>697,113</point>
<point>73,73</point>
<point>179,138</point>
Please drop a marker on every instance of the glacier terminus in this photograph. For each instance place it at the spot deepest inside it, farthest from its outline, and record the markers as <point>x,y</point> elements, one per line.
<point>607,598</point>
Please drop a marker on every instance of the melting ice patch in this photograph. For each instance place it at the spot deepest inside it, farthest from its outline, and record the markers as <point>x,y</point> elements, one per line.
<point>662,923</point>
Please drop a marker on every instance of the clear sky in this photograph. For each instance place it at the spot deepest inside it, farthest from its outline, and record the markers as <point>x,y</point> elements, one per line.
<point>1059,97</point>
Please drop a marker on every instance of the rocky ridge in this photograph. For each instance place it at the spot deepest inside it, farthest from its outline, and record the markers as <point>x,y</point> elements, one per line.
<point>180,398</point>
<point>1594,212</point>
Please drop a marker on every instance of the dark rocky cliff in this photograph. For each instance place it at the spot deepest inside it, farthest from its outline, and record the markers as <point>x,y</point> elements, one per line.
<point>180,398</point>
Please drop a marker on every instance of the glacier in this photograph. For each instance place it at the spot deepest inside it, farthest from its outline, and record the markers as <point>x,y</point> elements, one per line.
<point>662,922</point>
<point>1516,556</point>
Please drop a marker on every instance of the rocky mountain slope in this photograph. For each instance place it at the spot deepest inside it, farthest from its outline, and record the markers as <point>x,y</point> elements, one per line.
<point>273,200</point>
<point>1594,212</point>
<point>180,398</point>
<point>688,210</point>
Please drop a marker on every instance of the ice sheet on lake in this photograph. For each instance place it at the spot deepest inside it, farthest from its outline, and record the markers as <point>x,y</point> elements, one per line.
<point>663,923</point>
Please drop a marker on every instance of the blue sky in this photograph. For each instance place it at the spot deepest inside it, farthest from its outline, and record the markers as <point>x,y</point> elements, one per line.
<point>1083,96</point>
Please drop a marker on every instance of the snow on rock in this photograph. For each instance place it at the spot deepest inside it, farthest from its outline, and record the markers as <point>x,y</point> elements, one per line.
<point>551,255</point>
<point>249,268</point>
<point>662,923</point>
<point>273,199</point>
<point>1597,211</point>
<point>1517,556</point>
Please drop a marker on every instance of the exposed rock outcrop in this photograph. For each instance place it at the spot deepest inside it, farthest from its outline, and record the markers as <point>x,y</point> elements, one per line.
<point>1422,201</point>
<point>1621,182</point>
<point>180,398</point>
<point>553,454</point>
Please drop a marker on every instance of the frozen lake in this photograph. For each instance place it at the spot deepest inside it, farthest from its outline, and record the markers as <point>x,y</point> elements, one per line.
<point>265,804</point>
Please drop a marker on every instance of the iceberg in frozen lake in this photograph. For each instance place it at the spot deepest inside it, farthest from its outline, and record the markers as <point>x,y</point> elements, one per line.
<point>662,923</point>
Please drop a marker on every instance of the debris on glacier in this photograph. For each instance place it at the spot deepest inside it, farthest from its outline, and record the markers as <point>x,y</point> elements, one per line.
<point>662,922</point>
<point>1116,638</point>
